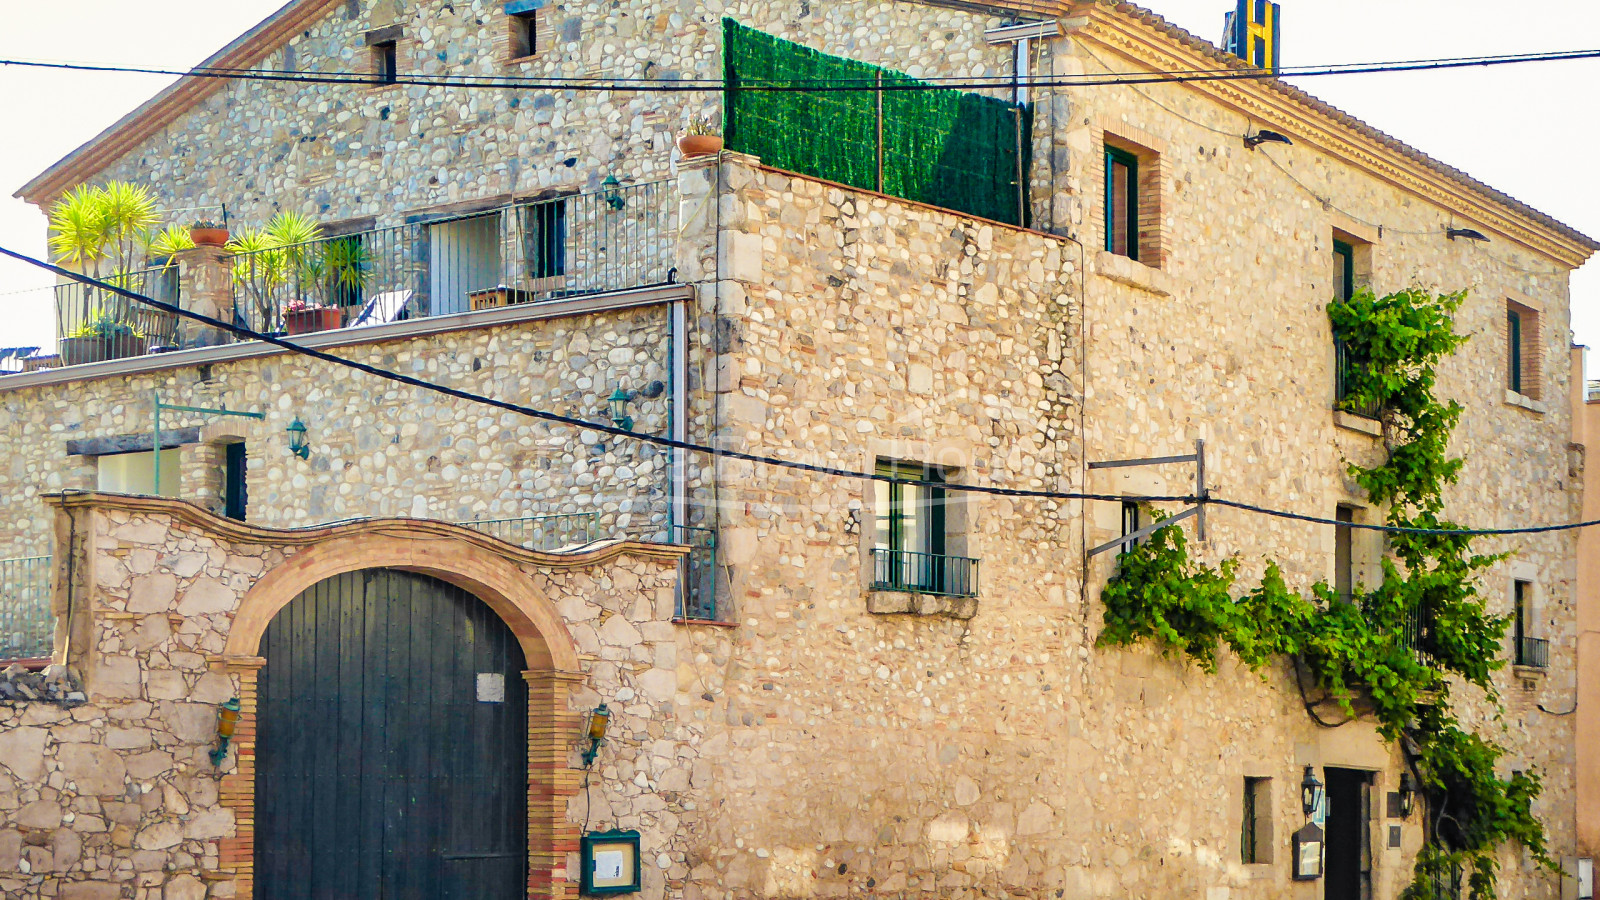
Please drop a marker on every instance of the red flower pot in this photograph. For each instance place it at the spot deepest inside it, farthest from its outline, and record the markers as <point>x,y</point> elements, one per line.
<point>691,145</point>
<point>306,321</point>
<point>208,237</point>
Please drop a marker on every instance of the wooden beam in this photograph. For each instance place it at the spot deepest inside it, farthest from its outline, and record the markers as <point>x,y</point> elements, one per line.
<point>132,443</point>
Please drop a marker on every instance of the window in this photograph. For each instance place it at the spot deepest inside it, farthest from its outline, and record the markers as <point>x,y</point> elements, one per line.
<point>1344,270</point>
<point>234,486</point>
<point>1527,650</point>
<point>384,46</point>
<point>524,32</point>
<point>544,238</point>
<point>385,62</point>
<point>1352,264</point>
<point>1133,519</point>
<point>1122,203</point>
<point>134,473</point>
<point>1344,575</point>
<point>1255,822</point>
<point>912,534</point>
<point>1522,350</point>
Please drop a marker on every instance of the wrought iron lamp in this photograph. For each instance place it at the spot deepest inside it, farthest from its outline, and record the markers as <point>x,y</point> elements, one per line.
<point>619,409</point>
<point>227,719</point>
<point>1408,795</point>
<point>298,444</point>
<point>598,721</point>
<point>1311,792</point>
<point>1471,234</point>
<point>611,190</point>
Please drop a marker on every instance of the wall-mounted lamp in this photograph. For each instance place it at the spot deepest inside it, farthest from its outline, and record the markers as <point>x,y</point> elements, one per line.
<point>598,721</point>
<point>298,444</point>
<point>1265,136</point>
<point>1408,795</point>
<point>611,190</point>
<point>1311,792</point>
<point>1471,234</point>
<point>227,719</point>
<point>619,409</point>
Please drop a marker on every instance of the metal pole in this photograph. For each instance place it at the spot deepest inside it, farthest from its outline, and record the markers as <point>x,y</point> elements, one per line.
<point>155,440</point>
<point>1022,190</point>
<point>879,101</point>
<point>1200,487</point>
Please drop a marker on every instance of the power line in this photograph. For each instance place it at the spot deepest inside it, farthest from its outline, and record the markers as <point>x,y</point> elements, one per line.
<point>717,85</point>
<point>545,415</point>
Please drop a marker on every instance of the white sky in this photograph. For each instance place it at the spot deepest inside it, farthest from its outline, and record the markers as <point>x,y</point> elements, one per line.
<point>1529,130</point>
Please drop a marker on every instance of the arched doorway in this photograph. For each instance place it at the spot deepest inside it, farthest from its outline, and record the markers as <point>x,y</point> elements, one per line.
<point>391,746</point>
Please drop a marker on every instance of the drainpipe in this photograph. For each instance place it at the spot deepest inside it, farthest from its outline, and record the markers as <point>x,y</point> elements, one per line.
<point>1022,37</point>
<point>679,514</point>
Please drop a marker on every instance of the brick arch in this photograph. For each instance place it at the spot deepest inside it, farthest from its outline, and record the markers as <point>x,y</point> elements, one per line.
<point>553,673</point>
<point>490,577</point>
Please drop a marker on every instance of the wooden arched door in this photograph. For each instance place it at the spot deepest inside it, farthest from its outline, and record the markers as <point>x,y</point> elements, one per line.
<point>391,759</point>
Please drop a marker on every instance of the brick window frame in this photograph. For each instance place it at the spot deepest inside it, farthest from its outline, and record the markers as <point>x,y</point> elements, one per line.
<point>524,20</point>
<point>1522,353</point>
<point>379,40</point>
<point>1148,153</point>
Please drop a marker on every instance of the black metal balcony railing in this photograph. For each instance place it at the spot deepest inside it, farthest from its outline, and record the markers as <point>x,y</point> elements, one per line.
<point>1533,653</point>
<point>26,624</point>
<point>609,240</point>
<point>542,532</point>
<point>1342,367</point>
<point>697,592</point>
<point>924,573</point>
<point>528,252</point>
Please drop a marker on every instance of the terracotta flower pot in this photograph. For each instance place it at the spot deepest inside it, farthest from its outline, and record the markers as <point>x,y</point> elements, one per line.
<point>691,145</point>
<point>306,321</point>
<point>77,351</point>
<point>208,237</point>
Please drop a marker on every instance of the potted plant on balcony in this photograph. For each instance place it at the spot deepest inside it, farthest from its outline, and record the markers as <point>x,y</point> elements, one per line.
<point>305,316</point>
<point>104,232</point>
<point>206,233</point>
<point>101,339</point>
<point>267,260</point>
<point>700,139</point>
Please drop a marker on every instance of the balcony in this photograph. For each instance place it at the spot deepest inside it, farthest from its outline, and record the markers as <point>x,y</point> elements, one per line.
<point>530,252</point>
<point>542,532</point>
<point>26,623</point>
<point>933,574</point>
<point>1532,653</point>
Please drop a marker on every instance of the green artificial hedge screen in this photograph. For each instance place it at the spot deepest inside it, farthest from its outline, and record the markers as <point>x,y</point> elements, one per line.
<point>942,147</point>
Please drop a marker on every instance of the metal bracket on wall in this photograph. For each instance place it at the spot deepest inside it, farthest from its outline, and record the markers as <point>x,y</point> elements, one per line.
<point>155,435</point>
<point>1197,512</point>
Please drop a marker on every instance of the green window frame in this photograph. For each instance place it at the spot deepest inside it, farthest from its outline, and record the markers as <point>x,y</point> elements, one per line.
<point>1344,271</point>
<point>1514,350</point>
<point>911,517</point>
<point>1519,615</point>
<point>1122,203</point>
<point>1250,849</point>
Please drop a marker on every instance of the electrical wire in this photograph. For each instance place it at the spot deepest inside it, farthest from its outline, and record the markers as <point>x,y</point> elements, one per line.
<point>608,83</point>
<point>558,418</point>
<point>795,465</point>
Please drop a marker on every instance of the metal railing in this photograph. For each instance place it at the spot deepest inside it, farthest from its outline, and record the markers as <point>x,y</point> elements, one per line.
<point>1415,632</point>
<point>924,573</point>
<point>542,532</point>
<point>26,624</point>
<point>93,325</point>
<point>1532,652</point>
<point>697,584</point>
<point>617,238</point>
<point>1342,366</point>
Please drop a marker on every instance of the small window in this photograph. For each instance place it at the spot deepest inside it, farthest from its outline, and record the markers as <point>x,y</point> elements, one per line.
<point>1344,575</point>
<point>235,498</point>
<point>1526,649</point>
<point>524,33</point>
<point>1122,203</point>
<point>1344,271</point>
<point>1255,821</point>
<point>134,473</point>
<point>1522,350</point>
<point>385,62</point>
<point>1133,519</point>
<point>1514,350</point>
<point>912,551</point>
<point>544,238</point>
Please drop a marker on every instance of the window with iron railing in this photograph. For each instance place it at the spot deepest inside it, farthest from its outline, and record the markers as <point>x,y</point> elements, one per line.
<point>1345,364</point>
<point>1526,650</point>
<point>913,518</point>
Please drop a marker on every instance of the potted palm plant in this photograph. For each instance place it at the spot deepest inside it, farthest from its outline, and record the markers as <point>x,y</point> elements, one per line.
<point>275,265</point>
<point>700,139</point>
<point>104,232</point>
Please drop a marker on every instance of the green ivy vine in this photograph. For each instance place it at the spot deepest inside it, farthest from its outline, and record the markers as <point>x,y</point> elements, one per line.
<point>1397,644</point>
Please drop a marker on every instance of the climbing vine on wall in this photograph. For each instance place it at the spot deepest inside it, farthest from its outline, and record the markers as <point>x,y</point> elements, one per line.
<point>1394,646</point>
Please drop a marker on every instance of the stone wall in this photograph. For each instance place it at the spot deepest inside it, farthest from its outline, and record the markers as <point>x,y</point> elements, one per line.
<point>380,449</point>
<point>116,797</point>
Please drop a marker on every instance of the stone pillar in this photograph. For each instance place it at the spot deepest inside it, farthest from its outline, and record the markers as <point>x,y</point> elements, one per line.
<point>236,854</point>
<point>205,286</point>
<point>201,471</point>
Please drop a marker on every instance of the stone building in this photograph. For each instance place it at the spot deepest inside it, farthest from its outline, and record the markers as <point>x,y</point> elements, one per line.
<point>817,685</point>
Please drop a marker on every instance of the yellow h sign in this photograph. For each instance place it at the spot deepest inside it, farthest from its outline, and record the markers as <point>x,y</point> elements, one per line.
<point>1253,33</point>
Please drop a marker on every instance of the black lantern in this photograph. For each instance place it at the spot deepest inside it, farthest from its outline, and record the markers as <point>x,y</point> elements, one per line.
<point>1310,792</point>
<point>298,444</point>
<point>618,404</point>
<point>1408,794</point>
<point>598,721</point>
<point>1308,853</point>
